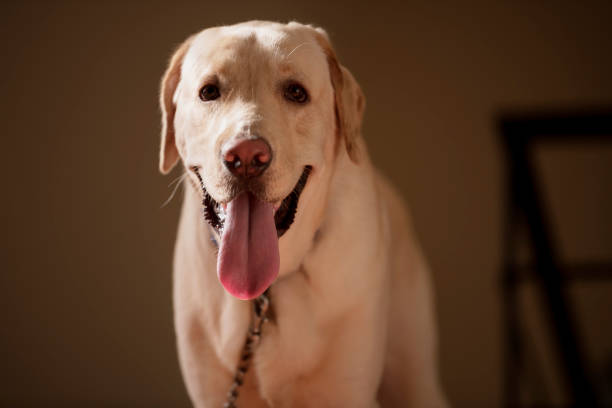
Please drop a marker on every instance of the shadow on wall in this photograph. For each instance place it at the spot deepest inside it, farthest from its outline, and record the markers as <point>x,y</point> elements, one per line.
<point>576,379</point>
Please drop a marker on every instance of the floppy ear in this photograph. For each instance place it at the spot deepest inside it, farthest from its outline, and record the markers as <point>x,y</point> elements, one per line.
<point>350,101</point>
<point>168,154</point>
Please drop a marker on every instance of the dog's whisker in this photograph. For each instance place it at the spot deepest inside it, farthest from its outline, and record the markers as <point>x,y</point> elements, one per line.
<point>178,179</point>
<point>292,51</point>
<point>177,183</point>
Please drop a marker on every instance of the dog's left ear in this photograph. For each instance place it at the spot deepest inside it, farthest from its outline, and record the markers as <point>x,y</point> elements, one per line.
<point>168,154</point>
<point>350,101</point>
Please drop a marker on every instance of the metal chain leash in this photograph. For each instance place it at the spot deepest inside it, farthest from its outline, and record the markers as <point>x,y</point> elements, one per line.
<point>260,316</point>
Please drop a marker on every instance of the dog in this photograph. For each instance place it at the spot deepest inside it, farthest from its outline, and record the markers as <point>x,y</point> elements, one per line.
<point>282,198</point>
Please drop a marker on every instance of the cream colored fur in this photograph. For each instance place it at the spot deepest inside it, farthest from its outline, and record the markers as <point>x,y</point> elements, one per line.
<point>353,321</point>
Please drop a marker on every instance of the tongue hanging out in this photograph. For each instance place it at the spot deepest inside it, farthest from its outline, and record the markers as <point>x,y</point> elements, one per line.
<point>248,259</point>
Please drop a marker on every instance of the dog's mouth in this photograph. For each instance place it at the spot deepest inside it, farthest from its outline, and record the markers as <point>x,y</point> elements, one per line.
<point>248,260</point>
<point>215,213</point>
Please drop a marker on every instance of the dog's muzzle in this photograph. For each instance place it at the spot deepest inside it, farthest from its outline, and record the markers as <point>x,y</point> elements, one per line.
<point>284,216</point>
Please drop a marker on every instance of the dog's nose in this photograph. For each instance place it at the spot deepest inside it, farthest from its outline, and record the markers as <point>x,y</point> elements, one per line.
<point>247,158</point>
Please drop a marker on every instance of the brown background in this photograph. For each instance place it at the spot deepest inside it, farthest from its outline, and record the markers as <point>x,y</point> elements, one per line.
<point>85,308</point>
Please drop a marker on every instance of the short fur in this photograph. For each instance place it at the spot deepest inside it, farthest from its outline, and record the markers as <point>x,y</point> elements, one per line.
<point>353,318</point>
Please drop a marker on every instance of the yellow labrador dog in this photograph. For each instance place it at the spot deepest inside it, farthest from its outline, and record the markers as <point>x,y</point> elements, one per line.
<point>281,196</point>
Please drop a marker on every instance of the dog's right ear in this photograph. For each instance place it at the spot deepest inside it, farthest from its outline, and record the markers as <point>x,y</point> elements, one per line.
<point>349,99</point>
<point>168,154</point>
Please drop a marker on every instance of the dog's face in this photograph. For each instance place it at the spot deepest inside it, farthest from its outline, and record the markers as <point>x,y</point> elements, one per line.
<point>257,112</point>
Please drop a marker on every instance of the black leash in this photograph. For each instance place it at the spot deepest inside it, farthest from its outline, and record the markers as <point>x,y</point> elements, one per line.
<point>260,315</point>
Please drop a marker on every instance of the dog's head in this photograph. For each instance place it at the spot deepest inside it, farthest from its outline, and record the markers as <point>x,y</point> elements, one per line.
<point>258,112</point>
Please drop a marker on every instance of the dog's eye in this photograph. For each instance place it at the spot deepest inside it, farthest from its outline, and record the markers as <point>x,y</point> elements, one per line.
<point>295,92</point>
<point>209,92</point>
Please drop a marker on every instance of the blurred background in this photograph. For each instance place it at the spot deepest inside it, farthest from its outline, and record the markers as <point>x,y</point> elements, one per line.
<point>86,249</point>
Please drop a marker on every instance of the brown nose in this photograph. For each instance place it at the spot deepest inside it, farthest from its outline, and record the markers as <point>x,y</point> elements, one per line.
<point>247,158</point>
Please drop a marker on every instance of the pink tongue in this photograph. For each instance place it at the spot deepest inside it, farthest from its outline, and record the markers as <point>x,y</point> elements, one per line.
<point>248,256</point>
